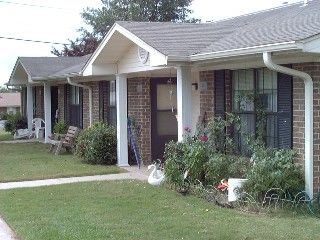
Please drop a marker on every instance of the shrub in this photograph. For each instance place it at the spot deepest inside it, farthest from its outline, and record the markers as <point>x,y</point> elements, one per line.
<point>4,116</point>
<point>273,169</point>
<point>97,144</point>
<point>14,122</point>
<point>60,128</point>
<point>175,164</point>
<point>221,166</point>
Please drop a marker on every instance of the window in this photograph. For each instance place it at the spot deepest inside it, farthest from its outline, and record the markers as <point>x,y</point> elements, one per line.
<point>74,95</point>
<point>247,85</point>
<point>112,104</point>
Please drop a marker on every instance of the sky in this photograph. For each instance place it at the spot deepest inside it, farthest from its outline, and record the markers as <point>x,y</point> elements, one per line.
<point>58,21</point>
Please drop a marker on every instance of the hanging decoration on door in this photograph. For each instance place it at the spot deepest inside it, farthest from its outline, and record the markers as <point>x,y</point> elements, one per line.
<point>171,96</point>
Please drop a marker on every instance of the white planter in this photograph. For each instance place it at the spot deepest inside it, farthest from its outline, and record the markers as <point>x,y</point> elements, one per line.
<point>233,185</point>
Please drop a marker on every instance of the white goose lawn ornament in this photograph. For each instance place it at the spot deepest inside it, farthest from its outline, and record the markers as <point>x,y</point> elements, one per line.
<point>156,177</point>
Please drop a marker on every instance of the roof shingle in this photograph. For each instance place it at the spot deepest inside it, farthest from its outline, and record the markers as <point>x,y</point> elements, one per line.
<point>288,23</point>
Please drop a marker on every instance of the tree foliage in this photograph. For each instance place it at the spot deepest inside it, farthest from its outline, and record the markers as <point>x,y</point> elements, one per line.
<point>101,20</point>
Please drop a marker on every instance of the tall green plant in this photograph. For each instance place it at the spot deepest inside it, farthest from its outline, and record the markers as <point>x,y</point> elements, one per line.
<point>97,144</point>
<point>273,168</point>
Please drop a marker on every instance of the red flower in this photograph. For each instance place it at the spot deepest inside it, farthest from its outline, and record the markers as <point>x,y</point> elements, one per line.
<point>203,138</point>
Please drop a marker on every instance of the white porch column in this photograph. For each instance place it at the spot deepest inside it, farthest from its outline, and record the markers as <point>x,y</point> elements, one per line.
<point>47,111</point>
<point>29,106</point>
<point>122,131</point>
<point>184,99</point>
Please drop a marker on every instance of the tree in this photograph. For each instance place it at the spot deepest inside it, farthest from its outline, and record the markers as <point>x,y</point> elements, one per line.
<point>101,20</point>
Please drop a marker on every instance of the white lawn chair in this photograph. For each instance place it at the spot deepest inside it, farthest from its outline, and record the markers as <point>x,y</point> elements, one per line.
<point>38,124</point>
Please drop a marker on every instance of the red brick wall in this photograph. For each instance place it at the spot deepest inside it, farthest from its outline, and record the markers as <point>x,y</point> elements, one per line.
<point>139,108</point>
<point>95,104</point>
<point>206,95</point>
<point>61,93</point>
<point>39,107</point>
<point>298,117</point>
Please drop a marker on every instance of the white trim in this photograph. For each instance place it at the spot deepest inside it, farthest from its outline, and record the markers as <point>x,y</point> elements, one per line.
<point>14,70</point>
<point>184,99</point>
<point>127,34</point>
<point>122,118</point>
<point>47,111</point>
<point>248,51</point>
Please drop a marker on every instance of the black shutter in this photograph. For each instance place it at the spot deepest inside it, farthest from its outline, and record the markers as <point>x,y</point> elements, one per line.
<point>80,117</point>
<point>103,101</point>
<point>219,93</point>
<point>284,111</point>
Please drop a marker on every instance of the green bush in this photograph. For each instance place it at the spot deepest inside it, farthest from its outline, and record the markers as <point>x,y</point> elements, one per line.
<point>14,122</point>
<point>221,166</point>
<point>175,164</point>
<point>60,128</point>
<point>4,116</point>
<point>274,168</point>
<point>97,144</point>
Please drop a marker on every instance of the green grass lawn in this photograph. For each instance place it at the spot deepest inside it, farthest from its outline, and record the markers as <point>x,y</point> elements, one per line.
<point>26,161</point>
<point>135,210</point>
<point>5,136</point>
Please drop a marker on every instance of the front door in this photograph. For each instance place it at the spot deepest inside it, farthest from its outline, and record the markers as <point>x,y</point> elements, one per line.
<point>163,114</point>
<point>54,104</point>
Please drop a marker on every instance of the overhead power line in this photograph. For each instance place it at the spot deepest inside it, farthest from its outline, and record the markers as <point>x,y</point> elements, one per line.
<point>33,41</point>
<point>34,5</point>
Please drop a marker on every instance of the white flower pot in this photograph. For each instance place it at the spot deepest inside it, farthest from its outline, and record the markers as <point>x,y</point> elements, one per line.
<point>233,185</point>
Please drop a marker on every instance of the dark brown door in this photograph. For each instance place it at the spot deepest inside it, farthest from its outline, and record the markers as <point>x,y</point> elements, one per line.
<point>54,104</point>
<point>163,114</point>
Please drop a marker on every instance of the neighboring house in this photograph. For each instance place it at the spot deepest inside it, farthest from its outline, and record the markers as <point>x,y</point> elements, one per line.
<point>10,102</point>
<point>168,75</point>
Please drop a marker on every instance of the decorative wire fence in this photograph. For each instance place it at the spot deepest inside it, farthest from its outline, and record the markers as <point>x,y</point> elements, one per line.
<point>274,200</point>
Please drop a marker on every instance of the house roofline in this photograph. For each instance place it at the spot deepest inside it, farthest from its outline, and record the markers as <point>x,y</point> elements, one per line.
<point>134,38</point>
<point>275,47</point>
<point>14,70</point>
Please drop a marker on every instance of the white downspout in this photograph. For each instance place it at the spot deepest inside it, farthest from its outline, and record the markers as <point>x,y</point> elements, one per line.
<point>90,96</point>
<point>308,130</point>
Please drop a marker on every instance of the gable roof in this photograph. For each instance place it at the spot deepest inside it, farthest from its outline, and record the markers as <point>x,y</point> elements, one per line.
<point>10,99</point>
<point>42,67</point>
<point>288,23</point>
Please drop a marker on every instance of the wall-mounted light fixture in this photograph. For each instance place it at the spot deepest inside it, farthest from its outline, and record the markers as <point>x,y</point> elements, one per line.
<point>194,86</point>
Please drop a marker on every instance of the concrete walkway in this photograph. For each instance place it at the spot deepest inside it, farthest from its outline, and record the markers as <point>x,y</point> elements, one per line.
<point>22,141</point>
<point>133,173</point>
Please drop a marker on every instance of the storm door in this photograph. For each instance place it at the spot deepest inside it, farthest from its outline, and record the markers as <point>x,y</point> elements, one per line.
<point>164,110</point>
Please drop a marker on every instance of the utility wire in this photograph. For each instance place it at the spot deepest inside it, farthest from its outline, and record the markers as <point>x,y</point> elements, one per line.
<point>34,41</point>
<point>34,5</point>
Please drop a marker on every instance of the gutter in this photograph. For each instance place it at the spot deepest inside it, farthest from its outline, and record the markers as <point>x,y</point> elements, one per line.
<point>90,96</point>
<point>275,47</point>
<point>308,130</point>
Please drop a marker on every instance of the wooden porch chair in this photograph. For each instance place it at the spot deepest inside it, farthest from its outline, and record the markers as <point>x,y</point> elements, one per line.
<point>67,141</point>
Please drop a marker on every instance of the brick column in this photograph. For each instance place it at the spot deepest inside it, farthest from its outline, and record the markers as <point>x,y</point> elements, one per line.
<point>95,104</point>
<point>139,108</point>
<point>61,93</point>
<point>206,87</point>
